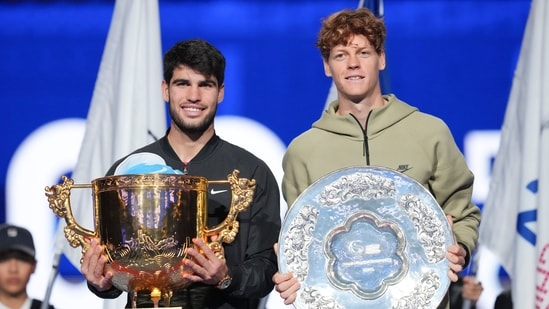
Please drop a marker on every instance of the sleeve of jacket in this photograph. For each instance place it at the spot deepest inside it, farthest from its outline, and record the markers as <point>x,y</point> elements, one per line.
<point>452,186</point>
<point>252,277</point>
<point>295,178</point>
<point>111,293</point>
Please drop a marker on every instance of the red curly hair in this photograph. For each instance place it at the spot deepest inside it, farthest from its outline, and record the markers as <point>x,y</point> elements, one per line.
<point>340,27</point>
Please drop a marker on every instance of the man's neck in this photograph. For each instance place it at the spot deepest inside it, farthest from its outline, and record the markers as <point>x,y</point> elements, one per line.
<point>13,301</point>
<point>188,145</point>
<point>360,109</point>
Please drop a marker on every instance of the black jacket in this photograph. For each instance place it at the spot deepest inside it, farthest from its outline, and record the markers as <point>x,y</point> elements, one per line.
<point>456,300</point>
<point>37,304</point>
<point>250,257</point>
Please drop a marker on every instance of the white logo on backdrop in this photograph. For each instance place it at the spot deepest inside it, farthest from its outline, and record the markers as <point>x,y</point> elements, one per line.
<point>46,154</point>
<point>51,151</point>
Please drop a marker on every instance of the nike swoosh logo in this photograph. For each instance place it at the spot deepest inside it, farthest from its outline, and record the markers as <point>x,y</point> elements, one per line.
<point>217,191</point>
<point>403,168</point>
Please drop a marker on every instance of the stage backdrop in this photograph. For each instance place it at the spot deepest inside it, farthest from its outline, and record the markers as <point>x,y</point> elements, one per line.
<point>453,59</point>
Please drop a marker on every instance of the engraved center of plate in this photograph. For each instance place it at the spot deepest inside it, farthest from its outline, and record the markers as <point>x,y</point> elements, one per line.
<point>366,255</point>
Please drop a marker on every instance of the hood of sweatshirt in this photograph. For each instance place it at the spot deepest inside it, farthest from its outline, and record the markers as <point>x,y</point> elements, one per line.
<point>380,119</point>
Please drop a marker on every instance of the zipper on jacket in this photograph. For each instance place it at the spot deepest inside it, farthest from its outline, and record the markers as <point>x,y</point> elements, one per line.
<point>366,150</point>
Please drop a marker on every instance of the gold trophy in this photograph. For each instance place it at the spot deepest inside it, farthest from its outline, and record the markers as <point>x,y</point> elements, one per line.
<point>146,222</point>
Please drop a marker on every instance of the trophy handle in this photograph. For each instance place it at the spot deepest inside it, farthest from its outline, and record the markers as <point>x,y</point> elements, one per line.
<point>59,201</point>
<point>242,195</point>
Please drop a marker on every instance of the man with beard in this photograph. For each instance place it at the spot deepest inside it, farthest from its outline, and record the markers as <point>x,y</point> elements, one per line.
<point>239,277</point>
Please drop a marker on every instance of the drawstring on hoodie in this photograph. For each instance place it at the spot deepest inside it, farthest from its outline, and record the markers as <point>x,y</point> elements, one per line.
<point>366,150</point>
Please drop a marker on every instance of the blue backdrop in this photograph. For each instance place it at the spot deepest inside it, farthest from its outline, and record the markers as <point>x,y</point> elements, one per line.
<point>453,59</point>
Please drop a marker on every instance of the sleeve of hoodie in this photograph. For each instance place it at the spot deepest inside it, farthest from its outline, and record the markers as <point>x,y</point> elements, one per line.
<point>295,178</point>
<point>452,186</point>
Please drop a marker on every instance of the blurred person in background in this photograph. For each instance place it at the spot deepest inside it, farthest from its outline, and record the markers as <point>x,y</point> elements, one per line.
<point>467,287</point>
<point>504,300</point>
<point>17,264</point>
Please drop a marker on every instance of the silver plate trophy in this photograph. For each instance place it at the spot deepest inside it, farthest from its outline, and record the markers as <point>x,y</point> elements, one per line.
<point>366,237</point>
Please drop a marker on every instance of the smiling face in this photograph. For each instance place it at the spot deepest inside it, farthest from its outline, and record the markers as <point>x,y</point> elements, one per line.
<point>193,99</point>
<point>355,68</point>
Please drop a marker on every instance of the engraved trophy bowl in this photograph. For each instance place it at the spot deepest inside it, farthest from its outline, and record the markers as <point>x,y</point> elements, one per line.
<point>145,222</point>
<point>366,237</point>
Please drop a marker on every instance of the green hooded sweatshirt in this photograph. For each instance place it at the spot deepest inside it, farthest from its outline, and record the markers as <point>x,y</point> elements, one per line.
<point>397,136</point>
